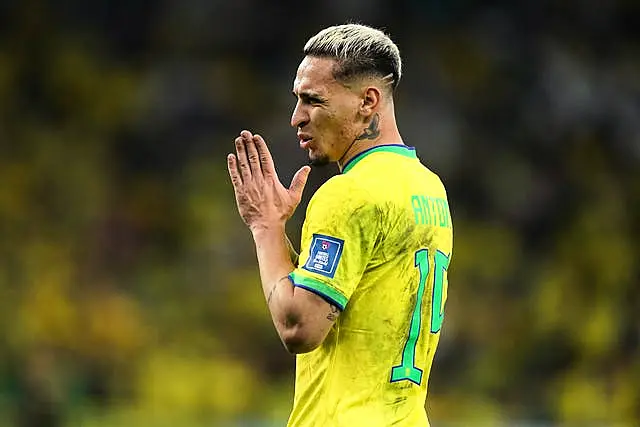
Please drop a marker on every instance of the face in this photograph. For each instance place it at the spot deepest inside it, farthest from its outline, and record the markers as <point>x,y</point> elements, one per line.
<point>326,112</point>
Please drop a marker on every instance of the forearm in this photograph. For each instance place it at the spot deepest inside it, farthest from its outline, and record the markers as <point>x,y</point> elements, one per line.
<point>273,252</point>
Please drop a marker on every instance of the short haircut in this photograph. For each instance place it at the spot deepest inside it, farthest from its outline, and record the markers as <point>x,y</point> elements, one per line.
<point>360,51</point>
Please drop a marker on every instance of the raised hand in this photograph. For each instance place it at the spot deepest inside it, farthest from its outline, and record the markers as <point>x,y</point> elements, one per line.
<point>263,202</point>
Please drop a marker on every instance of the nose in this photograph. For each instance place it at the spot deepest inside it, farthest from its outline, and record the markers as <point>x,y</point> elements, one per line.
<point>300,116</point>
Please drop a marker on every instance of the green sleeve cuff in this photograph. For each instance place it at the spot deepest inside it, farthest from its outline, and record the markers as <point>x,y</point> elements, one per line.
<point>319,288</point>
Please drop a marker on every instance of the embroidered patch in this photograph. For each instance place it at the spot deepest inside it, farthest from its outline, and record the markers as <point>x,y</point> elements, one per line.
<point>324,255</point>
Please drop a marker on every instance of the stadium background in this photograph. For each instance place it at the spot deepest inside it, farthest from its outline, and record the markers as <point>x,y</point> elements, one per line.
<point>129,291</point>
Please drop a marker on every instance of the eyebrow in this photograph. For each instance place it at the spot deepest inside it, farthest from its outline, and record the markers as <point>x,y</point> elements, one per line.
<point>308,95</point>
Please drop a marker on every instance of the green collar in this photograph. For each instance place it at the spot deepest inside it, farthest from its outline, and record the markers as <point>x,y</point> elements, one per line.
<point>403,150</point>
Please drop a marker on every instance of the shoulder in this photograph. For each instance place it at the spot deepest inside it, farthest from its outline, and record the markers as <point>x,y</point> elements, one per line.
<point>343,199</point>
<point>344,191</point>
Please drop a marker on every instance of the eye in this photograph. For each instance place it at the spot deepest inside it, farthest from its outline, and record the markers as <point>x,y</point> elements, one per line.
<point>311,99</point>
<point>314,100</point>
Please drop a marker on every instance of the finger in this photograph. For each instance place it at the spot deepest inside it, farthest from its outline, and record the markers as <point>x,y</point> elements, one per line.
<point>243,162</point>
<point>298,182</point>
<point>254,159</point>
<point>268,168</point>
<point>232,165</point>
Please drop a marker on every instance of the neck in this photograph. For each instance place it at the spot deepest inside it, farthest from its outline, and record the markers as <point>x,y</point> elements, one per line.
<point>382,130</point>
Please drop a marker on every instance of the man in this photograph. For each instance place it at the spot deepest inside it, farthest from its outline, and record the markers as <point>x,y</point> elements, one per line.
<point>364,306</point>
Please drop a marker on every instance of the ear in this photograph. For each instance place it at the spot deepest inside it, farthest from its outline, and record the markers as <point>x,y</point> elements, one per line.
<point>371,99</point>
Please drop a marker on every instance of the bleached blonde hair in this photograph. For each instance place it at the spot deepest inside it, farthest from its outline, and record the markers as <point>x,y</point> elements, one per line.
<point>360,51</point>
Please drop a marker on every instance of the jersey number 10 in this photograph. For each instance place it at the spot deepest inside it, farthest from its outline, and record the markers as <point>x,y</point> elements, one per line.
<point>407,370</point>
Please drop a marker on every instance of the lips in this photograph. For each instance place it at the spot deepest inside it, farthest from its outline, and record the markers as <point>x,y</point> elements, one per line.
<point>304,144</point>
<point>304,140</point>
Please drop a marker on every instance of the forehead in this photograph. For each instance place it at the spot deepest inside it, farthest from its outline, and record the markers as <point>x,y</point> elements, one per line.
<point>315,74</point>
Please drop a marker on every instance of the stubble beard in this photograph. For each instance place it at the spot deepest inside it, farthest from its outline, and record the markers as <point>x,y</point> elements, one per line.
<point>319,161</point>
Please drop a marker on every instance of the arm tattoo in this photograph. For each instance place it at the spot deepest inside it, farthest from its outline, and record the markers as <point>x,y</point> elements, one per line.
<point>271,292</point>
<point>334,313</point>
<point>273,289</point>
<point>373,130</point>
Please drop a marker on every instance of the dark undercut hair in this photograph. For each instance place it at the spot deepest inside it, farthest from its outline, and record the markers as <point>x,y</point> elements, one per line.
<point>360,51</point>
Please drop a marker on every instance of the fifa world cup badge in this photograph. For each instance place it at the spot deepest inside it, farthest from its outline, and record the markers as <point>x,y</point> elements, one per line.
<point>324,255</point>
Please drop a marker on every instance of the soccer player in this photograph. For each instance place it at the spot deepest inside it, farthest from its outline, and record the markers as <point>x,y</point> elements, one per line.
<point>364,306</point>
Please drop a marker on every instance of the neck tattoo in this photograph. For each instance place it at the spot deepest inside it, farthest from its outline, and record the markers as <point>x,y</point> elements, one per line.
<point>370,132</point>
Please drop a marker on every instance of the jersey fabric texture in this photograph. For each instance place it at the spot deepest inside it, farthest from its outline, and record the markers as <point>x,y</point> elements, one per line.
<point>376,242</point>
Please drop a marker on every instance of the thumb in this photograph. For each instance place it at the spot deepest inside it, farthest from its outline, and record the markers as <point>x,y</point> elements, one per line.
<point>298,182</point>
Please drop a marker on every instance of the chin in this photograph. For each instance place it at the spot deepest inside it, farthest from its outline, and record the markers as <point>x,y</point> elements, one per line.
<point>317,157</point>
<point>321,160</point>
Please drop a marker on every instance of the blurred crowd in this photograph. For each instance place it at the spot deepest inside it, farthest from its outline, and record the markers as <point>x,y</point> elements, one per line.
<point>129,291</point>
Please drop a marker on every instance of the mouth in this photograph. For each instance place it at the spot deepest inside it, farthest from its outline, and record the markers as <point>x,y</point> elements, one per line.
<point>304,142</point>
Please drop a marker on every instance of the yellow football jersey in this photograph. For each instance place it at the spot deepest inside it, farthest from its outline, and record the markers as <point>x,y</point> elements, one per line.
<point>376,242</point>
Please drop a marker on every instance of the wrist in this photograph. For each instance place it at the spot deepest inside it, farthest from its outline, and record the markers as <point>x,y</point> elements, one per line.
<point>267,230</point>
